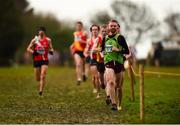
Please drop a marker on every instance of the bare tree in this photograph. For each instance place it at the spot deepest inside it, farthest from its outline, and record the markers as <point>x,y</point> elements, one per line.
<point>136,20</point>
<point>173,21</point>
<point>101,18</point>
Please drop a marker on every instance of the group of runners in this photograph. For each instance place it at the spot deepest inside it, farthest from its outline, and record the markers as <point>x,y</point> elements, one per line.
<point>103,53</point>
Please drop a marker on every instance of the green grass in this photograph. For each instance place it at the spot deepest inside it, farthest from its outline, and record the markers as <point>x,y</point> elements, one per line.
<point>65,102</point>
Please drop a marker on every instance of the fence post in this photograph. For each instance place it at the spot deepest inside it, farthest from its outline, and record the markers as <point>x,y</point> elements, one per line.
<point>141,90</point>
<point>131,82</point>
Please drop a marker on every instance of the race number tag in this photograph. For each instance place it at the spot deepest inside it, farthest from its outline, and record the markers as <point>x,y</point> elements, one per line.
<point>40,50</point>
<point>108,48</point>
<point>77,38</point>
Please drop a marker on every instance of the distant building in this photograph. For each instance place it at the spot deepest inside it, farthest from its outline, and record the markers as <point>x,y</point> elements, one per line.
<point>170,54</point>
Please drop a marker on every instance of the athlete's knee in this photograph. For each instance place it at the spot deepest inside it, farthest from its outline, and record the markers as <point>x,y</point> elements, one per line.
<point>78,64</point>
<point>110,83</point>
<point>96,76</point>
<point>93,78</point>
<point>109,79</point>
<point>43,76</point>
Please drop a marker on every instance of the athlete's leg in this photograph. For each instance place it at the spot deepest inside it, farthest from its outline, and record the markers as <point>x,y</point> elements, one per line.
<point>84,69</point>
<point>71,49</point>
<point>101,70</point>
<point>87,68</point>
<point>105,83</point>
<point>101,77</point>
<point>95,77</point>
<point>119,85</point>
<point>42,78</point>
<point>79,67</point>
<point>97,83</point>
<point>110,88</point>
<point>37,72</point>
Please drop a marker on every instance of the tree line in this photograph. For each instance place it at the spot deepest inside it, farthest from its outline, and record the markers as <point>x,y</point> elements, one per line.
<point>18,25</point>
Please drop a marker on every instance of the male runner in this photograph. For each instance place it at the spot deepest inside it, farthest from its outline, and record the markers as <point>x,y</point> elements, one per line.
<point>120,79</point>
<point>77,49</point>
<point>100,60</point>
<point>40,46</point>
<point>114,46</point>
<point>92,50</point>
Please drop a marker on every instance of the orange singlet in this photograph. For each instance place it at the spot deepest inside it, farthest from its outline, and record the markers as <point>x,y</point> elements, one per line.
<point>79,41</point>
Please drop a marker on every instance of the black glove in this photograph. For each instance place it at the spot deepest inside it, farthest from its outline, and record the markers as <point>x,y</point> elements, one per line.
<point>51,52</point>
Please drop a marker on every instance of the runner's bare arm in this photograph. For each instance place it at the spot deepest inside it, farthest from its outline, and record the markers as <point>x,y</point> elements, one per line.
<point>86,34</point>
<point>30,46</point>
<point>50,45</point>
<point>115,49</point>
<point>86,50</point>
<point>95,47</point>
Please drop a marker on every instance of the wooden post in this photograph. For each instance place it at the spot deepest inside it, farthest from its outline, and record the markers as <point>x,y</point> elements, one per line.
<point>141,88</point>
<point>131,82</point>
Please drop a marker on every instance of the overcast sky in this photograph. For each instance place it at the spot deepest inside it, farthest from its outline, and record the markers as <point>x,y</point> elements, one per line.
<point>83,9</point>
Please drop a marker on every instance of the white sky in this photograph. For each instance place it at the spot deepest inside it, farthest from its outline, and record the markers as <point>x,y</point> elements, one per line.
<point>69,9</point>
<point>83,9</point>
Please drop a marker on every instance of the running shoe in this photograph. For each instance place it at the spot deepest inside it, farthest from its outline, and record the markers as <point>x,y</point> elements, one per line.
<point>78,82</point>
<point>119,108</point>
<point>98,96</point>
<point>114,107</point>
<point>108,100</point>
<point>84,78</point>
<point>40,93</point>
<point>94,91</point>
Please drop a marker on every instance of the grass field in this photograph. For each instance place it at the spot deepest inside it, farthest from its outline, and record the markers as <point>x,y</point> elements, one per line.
<point>65,102</point>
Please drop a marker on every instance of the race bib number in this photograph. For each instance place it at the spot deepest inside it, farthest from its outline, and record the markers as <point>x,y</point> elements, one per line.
<point>77,38</point>
<point>40,50</point>
<point>108,48</point>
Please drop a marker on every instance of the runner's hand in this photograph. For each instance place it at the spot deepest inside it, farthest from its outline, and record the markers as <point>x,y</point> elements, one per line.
<point>96,50</point>
<point>35,53</point>
<point>115,49</point>
<point>85,54</point>
<point>51,52</point>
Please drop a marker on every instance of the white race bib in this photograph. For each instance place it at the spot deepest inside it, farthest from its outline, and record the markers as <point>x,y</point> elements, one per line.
<point>108,48</point>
